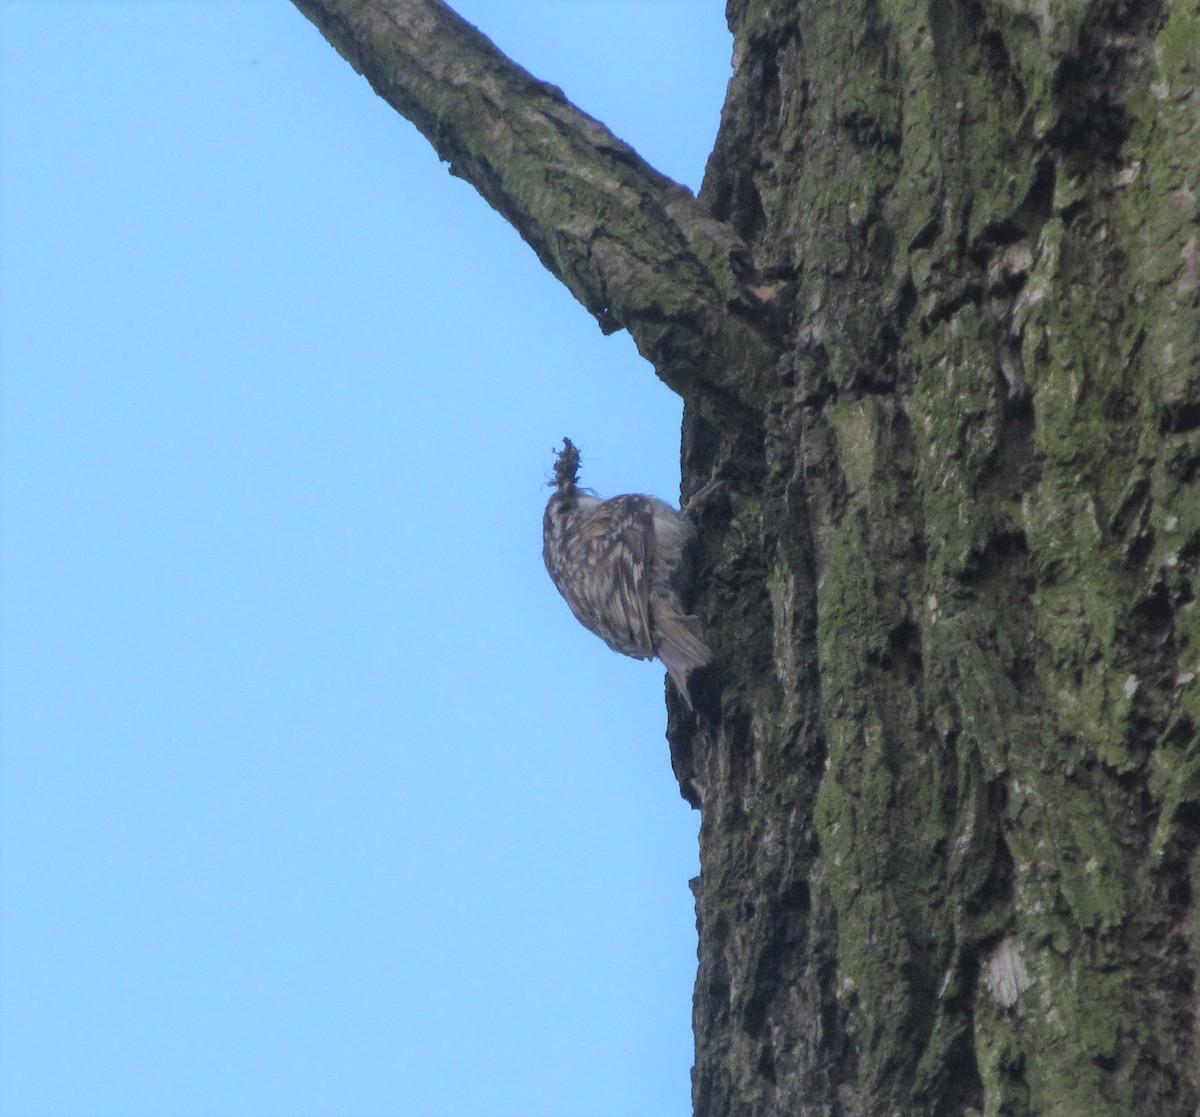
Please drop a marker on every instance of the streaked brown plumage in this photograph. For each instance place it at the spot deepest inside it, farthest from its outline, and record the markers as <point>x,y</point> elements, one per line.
<point>620,565</point>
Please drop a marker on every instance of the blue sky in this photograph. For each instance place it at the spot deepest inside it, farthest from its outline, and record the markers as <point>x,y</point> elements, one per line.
<point>314,799</point>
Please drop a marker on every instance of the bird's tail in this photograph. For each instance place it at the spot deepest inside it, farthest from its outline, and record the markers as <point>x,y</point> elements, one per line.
<point>681,646</point>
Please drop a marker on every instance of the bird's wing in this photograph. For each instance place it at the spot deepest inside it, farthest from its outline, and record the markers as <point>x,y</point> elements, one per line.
<point>612,596</point>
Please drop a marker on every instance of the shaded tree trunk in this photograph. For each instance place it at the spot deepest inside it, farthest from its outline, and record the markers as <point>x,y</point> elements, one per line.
<point>935,318</point>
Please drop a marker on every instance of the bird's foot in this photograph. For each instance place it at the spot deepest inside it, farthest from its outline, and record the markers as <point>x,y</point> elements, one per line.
<point>703,496</point>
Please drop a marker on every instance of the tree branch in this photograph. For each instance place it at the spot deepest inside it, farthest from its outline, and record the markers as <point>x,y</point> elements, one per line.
<point>632,245</point>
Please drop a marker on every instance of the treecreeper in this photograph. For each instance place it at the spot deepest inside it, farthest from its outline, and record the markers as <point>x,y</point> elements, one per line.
<point>621,565</point>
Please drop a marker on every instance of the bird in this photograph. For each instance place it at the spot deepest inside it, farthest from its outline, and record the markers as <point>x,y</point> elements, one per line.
<point>621,566</point>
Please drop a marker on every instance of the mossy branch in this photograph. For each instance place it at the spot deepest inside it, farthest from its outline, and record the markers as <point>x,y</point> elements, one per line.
<point>634,247</point>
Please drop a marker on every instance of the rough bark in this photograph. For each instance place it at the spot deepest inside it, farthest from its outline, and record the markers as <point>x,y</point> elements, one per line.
<point>631,245</point>
<point>936,318</point>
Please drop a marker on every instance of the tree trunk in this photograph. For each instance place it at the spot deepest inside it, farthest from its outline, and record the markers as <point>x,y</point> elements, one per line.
<point>935,320</point>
